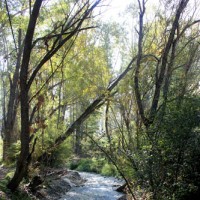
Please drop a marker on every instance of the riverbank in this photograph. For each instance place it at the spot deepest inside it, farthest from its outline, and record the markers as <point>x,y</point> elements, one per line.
<point>54,184</point>
<point>51,184</point>
<point>57,182</point>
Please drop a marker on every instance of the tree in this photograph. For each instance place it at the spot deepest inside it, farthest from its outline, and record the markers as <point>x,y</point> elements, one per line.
<point>164,59</point>
<point>154,98</point>
<point>54,41</point>
<point>10,108</point>
<point>62,65</point>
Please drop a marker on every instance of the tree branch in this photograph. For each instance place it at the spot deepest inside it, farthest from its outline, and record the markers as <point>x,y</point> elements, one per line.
<point>97,103</point>
<point>55,48</point>
<point>164,61</point>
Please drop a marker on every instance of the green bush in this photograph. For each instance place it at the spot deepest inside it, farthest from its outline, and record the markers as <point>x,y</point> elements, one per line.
<point>61,155</point>
<point>18,195</point>
<point>73,165</point>
<point>108,170</point>
<point>168,161</point>
<point>3,184</point>
<point>14,152</point>
<point>97,165</point>
<point>85,165</point>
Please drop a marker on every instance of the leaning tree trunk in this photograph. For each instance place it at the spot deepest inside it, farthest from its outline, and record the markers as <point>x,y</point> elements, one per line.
<point>97,103</point>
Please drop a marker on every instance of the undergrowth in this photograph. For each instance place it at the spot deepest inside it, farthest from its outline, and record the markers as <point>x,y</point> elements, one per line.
<point>96,165</point>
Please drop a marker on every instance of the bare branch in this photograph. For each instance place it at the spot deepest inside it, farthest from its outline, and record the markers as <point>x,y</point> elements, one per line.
<point>55,48</point>
<point>10,21</point>
<point>164,61</point>
<point>97,103</point>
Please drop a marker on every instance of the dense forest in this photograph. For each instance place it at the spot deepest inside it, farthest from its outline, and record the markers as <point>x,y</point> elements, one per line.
<point>118,97</point>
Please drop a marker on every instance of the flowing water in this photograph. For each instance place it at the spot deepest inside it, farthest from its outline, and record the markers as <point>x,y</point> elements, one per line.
<point>96,187</point>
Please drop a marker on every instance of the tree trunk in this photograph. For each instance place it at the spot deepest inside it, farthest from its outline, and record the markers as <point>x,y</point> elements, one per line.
<point>22,164</point>
<point>78,148</point>
<point>7,142</point>
<point>25,82</point>
<point>9,131</point>
<point>24,158</point>
<point>164,61</point>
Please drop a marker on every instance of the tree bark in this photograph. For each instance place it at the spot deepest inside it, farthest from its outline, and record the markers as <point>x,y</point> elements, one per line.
<point>78,138</point>
<point>10,117</point>
<point>23,161</point>
<point>137,70</point>
<point>159,82</point>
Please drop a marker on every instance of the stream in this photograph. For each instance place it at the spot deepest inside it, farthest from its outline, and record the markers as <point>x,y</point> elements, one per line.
<point>96,187</point>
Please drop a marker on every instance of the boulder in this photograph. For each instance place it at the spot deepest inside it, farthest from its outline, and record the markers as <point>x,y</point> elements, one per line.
<point>121,188</point>
<point>57,183</point>
<point>73,178</point>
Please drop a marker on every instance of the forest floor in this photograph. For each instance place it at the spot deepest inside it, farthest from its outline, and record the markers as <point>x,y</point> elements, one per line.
<point>3,172</point>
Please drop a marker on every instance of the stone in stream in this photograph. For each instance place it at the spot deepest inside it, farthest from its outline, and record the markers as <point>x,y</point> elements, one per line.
<point>121,188</point>
<point>66,186</point>
<point>74,178</point>
<point>57,184</point>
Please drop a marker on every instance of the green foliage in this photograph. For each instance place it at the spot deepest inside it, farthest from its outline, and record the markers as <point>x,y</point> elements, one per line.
<point>96,165</point>
<point>14,151</point>
<point>9,175</point>
<point>163,160</point>
<point>18,195</point>
<point>89,165</point>
<point>169,157</point>
<point>61,155</point>
<point>85,165</point>
<point>3,184</point>
<point>108,170</point>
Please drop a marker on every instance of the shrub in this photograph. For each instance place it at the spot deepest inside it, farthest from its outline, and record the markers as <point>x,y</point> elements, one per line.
<point>60,156</point>
<point>96,165</point>
<point>14,151</point>
<point>108,170</point>
<point>85,165</point>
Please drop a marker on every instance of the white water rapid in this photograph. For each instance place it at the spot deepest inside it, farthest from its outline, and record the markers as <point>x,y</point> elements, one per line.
<point>96,187</point>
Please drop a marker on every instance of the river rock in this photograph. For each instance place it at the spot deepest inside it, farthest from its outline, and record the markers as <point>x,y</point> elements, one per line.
<point>73,178</point>
<point>56,185</point>
<point>121,188</point>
